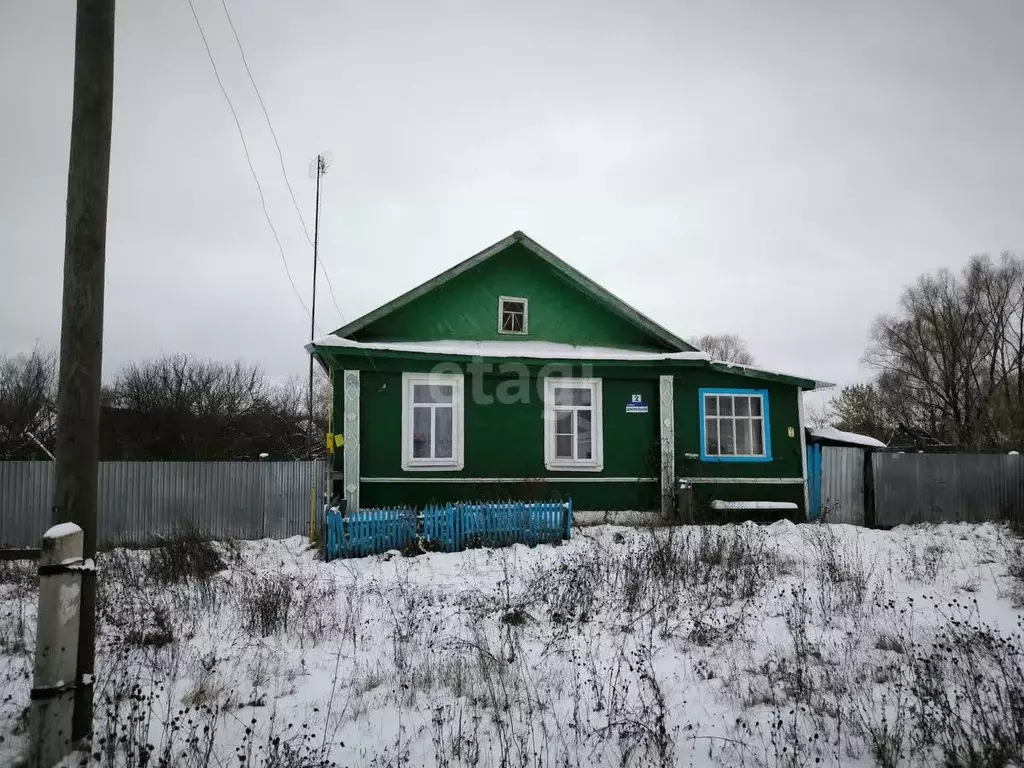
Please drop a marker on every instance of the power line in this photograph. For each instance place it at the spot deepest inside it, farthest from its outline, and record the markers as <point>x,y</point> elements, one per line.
<point>280,154</point>
<point>248,158</point>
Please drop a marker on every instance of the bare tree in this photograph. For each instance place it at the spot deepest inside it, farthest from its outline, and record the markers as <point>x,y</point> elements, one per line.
<point>949,362</point>
<point>861,408</point>
<point>291,404</point>
<point>818,414</point>
<point>28,397</point>
<point>179,407</point>
<point>728,347</point>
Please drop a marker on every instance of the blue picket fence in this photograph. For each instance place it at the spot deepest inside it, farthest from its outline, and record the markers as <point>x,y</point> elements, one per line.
<point>447,527</point>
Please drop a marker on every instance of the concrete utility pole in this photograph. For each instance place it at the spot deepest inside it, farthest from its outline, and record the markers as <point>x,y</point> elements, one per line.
<point>81,335</point>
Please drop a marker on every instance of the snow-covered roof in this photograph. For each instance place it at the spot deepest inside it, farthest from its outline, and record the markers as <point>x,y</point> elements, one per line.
<point>549,350</point>
<point>838,436</point>
<point>543,350</point>
<point>753,369</point>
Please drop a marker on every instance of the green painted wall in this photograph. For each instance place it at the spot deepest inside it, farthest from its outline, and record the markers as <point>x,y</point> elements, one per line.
<point>467,308</point>
<point>506,440</point>
<point>783,411</point>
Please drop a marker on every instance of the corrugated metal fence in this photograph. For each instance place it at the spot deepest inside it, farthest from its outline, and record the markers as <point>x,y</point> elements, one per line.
<point>141,500</point>
<point>932,487</point>
<point>842,484</point>
<point>835,484</point>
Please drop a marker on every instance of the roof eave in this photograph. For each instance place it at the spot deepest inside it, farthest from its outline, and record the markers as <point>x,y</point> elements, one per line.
<point>326,352</point>
<point>755,373</point>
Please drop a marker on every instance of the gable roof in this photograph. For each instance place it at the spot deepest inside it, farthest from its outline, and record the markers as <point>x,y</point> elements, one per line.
<point>583,282</point>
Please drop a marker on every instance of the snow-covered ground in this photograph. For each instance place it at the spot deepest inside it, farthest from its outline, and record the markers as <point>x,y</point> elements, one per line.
<point>733,645</point>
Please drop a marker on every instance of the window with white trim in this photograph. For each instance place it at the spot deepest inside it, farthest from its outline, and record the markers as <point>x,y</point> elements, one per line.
<point>734,425</point>
<point>572,424</point>
<point>432,424</point>
<point>512,315</point>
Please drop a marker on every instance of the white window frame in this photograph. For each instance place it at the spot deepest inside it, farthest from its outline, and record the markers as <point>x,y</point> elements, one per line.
<point>596,461</point>
<point>457,459</point>
<point>501,314</point>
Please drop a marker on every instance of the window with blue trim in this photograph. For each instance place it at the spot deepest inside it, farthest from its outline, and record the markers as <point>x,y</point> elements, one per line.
<point>734,425</point>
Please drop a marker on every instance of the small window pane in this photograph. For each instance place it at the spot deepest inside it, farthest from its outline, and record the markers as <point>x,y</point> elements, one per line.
<point>742,406</point>
<point>711,436</point>
<point>443,432</point>
<point>432,393</point>
<point>743,435</point>
<point>563,422</point>
<point>572,396</point>
<point>725,405</point>
<point>711,405</point>
<point>583,424</point>
<point>583,447</point>
<point>563,446</point>
<point>421,433</point>
<point>727,438</point>
<point>758,441</point>
<point>513,306</point>
<point>510,321</point>
<point>755,405</point>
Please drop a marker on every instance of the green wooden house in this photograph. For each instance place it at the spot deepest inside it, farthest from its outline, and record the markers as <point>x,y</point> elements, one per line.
<point>514,376</point>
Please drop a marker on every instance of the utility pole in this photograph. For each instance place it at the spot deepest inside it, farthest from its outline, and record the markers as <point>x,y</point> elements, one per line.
<point>81,335</point>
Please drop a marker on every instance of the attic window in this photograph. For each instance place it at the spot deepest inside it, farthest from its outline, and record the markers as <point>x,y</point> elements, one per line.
<point>512,315</point>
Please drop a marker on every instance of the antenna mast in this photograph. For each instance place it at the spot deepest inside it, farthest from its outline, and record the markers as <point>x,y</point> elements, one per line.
<point>319,167</point>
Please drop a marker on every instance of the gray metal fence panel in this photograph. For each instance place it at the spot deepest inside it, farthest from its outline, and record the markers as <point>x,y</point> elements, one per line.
<point>915,488</point>
<point>842,484</point>
<point>141,500</point>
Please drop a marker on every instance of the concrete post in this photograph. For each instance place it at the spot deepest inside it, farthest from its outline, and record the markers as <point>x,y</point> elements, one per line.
<point>56,662</point>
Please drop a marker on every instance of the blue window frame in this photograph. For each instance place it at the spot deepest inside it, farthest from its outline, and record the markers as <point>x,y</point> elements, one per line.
<point>734,425</point>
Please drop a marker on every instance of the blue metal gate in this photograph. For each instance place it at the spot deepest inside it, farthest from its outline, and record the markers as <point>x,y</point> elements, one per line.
<point>814,481</point>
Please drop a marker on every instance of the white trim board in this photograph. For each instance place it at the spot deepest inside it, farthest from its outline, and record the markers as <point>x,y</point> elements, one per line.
<point>436,479</point>
<point>745,480</point>
<point>350,450</point>
<point>803,450</point>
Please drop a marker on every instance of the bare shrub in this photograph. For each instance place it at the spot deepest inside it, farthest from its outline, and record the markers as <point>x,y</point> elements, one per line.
<point>925,563</point>
<point>842,572</point>
<point>185,557</point>
<point>969,691</point>
<point>265,604</point>
<point>1015,569</point>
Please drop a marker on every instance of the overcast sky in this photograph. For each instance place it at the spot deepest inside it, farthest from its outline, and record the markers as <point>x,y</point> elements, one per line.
<point>776,169</point>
